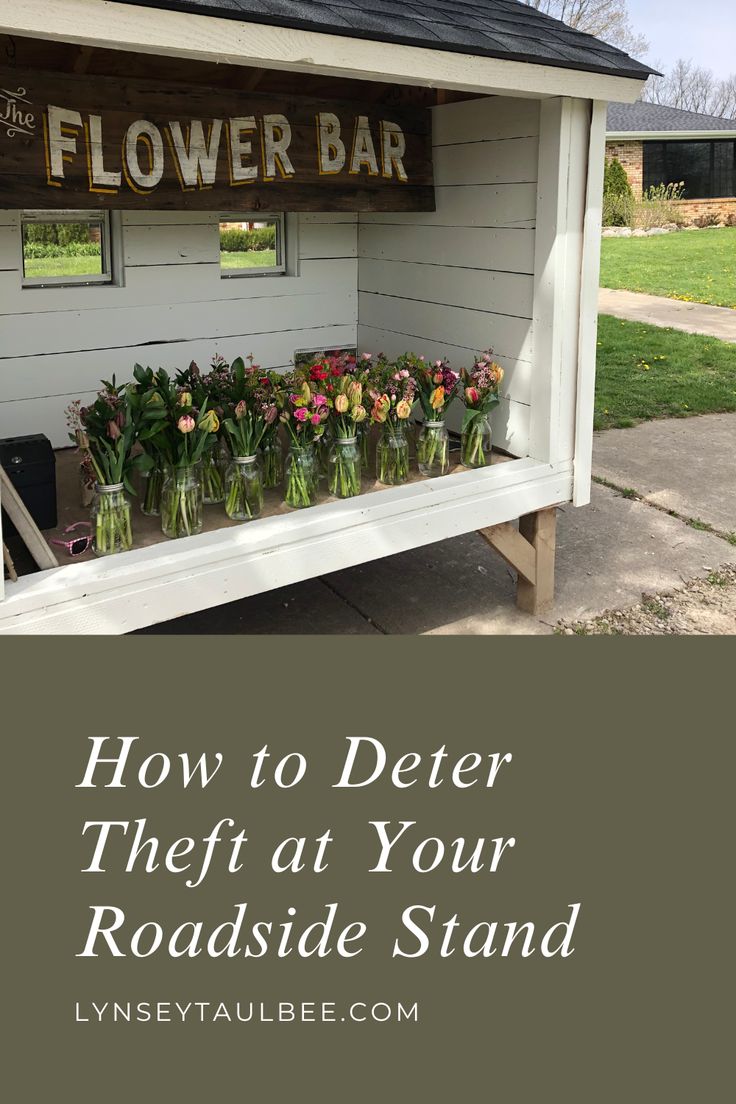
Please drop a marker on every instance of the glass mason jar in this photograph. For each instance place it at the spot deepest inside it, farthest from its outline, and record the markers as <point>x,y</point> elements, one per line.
<point>364,441</point>
<point>151,488</point>
<point>244,489</point>
<point>302,476</point>
<point>182,501</point>
<point>392,455</point>
<point>110,514</point>
<point>344,467</point>
<point>214,466</point>
<point>433,449</point>
<point>272,461</point>
<point>322,446</point>
<point>475,443</point>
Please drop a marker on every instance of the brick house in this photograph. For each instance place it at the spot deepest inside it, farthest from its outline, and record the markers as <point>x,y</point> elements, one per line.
<point>662,145</point>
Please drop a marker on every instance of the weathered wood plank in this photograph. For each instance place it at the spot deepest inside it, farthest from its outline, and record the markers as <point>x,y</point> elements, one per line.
<point>91,141</point>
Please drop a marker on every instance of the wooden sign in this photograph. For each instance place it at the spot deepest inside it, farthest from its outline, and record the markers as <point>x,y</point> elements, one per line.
<point>69,141</point>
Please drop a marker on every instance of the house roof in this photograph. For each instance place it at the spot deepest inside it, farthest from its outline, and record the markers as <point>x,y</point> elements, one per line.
<point>641,119</point>
<point>505,29</point>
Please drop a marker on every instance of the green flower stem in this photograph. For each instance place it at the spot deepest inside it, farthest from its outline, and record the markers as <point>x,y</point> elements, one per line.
<point>213,484</point>
<point>152,499</point>
<point>344,476</point>
<point>113,530</point>
<point>245,495</point>
<point>473,453</point>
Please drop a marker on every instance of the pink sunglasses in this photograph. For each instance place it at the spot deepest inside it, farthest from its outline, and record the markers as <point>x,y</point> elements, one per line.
<point>76,546</point>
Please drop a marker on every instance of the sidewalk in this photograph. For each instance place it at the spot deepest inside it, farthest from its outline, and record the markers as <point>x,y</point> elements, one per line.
<point>608,553</point>
<point>717,322</point>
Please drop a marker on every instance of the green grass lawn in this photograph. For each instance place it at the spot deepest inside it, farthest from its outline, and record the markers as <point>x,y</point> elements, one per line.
<point>90,266</point>
<point>696,266</point>
<point>262,258</point>
<point>62,266</point>
<point>647,372</point>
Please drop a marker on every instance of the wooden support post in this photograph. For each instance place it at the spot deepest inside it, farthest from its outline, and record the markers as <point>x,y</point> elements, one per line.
<point>530,550</point>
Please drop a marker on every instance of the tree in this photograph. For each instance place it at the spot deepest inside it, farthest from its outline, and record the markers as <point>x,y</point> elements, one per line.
<point>606,19</point>
<point>692,88</point>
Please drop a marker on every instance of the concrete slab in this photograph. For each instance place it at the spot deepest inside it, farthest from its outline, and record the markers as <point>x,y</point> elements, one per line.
<point>682,464</point>
<point>608,553</point>
<point>454,586</point>
<point>305,608</point>
<point>718,322</point>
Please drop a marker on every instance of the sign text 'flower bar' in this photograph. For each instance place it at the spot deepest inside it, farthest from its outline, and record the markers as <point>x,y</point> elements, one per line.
<point>74,142</point>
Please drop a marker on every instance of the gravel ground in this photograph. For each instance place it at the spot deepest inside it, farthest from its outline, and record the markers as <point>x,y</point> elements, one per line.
<point>703,607</point>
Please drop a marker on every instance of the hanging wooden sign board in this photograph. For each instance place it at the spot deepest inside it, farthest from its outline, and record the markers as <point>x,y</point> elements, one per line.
<point>70,141</point>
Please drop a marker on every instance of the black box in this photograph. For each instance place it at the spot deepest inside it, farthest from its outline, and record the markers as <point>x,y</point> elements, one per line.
<point>30,465</point>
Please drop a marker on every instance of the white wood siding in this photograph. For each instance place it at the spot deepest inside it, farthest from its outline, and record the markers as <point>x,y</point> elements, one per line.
<point>461,279</point>
<point>173,307</point>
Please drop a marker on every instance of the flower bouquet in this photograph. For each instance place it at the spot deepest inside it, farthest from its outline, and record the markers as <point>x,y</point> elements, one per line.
<point>392,390</point>
<point>209,389</point>
<point>303,412</point>
<point>86,471</point>
<point>147,382</point>
<point>181,433</point>
<point>437,385</point>
<point>347,413</point>
<point>480,395</point>
<point>249,414</point>
<point>106,433</point>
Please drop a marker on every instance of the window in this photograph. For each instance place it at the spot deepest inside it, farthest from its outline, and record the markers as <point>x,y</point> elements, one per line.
<point>66,247</point>
<point>252,245</point>
<point>707,169</point>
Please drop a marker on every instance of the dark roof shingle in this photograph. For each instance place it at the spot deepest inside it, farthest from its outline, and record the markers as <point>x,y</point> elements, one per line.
<point>640,118</point>
<point>505,29</point>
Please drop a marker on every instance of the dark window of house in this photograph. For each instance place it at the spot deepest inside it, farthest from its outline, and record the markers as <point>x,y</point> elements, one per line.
<point>707,169</point>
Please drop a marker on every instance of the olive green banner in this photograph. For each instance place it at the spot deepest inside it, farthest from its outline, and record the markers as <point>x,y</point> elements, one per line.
<point>366,870</point>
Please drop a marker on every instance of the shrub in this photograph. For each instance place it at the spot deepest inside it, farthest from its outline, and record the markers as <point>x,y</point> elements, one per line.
<point>658,206</point>
<point>706,220</point>
<point>57,233</point>
<point>730,219</point>
<point>37,251</point>
<point>234,240</point>
<point>618,199</point>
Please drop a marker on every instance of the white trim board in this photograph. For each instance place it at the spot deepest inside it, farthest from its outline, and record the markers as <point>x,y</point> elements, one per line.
<point>228,41</point>
<point>668,135</point>
<point>144,587</point>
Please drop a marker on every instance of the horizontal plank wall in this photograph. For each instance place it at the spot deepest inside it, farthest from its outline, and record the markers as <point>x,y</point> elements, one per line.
<point>461,279</point>
<point>171,307</point>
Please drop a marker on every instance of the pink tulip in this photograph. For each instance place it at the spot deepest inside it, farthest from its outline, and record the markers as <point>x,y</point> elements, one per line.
<point>301,414</point>
<point>186,424</point>
<point>315,420</point>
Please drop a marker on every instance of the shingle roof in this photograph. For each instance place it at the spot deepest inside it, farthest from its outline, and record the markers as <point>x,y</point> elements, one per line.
<point>505,29</point>
<point>640,118</point>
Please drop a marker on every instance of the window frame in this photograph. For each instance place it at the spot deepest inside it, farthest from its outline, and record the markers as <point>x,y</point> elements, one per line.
<point>99,218</point>
<point>281,267</point>
<point>665,148</point>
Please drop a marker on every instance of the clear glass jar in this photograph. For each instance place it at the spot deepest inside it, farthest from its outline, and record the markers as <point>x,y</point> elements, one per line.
<point>272,461</point>
<point>182,501</point>
<point>111,526</point>
<point>214,467</point>
<point>322,446</point>
<point>344,466</point>
<point>475,443</point>
<point>392,455</point>
<point>433,449</point>
<point>302,477</point>
<point>244,489</point>
<point>364,441</point>
<point>152,485</point>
